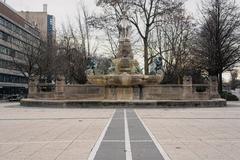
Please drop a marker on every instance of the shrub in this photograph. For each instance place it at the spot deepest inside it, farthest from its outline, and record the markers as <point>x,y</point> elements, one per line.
<point>229,96</point>
<point>201,89</point>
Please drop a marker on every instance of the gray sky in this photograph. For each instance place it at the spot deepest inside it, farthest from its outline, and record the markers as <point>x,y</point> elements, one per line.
<point>62,9</point>
<point>67,8</point>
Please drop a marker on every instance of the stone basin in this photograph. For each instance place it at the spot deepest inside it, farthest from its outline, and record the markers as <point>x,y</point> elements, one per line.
<point>125,80</point>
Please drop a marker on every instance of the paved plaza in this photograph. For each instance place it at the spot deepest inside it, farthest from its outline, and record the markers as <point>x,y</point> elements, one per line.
<point>102,134</point>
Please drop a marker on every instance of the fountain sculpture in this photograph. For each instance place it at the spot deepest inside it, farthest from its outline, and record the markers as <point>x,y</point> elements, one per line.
<point>125,66</point>
<point>125,86</point>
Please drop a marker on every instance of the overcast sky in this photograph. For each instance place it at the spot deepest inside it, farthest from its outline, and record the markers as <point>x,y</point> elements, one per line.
<point>62,9</point>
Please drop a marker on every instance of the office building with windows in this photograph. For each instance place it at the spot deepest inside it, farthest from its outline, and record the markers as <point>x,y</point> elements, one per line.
<point>44,21</point>
<point>15,35</point>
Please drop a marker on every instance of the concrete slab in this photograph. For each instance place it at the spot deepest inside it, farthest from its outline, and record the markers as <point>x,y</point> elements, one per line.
<point>111,150</point>
<point>206,133</point>
<point>47,134</point>
<point>70,134</point>
<point>116,128</point>
<point>145,151</point>
<point>135,144</point>
<point>112,145</point>
<point>142,145</point>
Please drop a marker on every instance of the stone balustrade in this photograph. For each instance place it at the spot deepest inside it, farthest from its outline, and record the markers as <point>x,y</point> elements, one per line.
<point>185,91</point>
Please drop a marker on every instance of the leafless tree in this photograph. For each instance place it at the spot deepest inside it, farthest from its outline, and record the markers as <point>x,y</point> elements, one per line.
<point>76,47</point>
<point>173,43</point>
<point>47,62</point>
<point>143,14</point>
<point>72,57</point>
<point>28,62</point>
<point>107,22</point>
<point>84,31</point>
<point>218,45</point>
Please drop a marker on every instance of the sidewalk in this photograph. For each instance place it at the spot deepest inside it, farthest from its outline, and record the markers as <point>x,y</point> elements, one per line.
<point>70,134</point>
<point>196,134</point>
<point>48,134</point>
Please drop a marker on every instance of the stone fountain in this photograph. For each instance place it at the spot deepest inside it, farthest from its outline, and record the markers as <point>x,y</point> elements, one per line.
<point>125,87</point>
<point>125,74</point>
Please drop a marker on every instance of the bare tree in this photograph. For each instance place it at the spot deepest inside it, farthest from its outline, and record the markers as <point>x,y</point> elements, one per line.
<point>38,59</point>
<point>173,43</point>
<point>47,62</point>
<point>28,62</point>
<point>78,66</point>
<point>72,57</point>
<point>143,14</point>
<point>218,45</point>
<point>76,47</point>
<point>83,31</point>
<point>107,22</point>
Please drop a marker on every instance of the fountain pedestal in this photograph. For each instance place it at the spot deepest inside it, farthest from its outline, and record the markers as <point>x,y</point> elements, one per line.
<point>126,88</point>
<point>124,83</point>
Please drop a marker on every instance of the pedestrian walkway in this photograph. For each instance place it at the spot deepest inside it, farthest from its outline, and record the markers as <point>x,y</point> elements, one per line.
<point>126,138</point>
<point>74,134</point>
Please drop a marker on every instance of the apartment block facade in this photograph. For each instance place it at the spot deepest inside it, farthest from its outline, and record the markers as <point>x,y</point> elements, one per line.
<point>44,21</point>
<point>15,35</point>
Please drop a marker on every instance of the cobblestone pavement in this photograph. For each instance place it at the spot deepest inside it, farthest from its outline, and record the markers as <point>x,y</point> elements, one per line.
<point>71,134</point>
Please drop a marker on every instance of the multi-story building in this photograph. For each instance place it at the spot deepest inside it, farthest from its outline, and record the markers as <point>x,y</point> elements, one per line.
<point>51,29</point>
<point>15,35</point>
<point>44,21</point>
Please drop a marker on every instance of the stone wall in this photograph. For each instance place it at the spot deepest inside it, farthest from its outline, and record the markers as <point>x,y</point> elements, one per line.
<point>84,92</point>
<point>185,91</point>
<point>163,92</point>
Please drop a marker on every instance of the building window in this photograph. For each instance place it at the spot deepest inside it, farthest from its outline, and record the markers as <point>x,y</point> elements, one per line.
<point>12,78</point>
<point>1,21</point>
<point>1,35</point>
<point>22,33</point>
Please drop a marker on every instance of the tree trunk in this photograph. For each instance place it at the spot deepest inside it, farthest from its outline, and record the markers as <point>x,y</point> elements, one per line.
<point>146,66</point>
<point>220,83</point>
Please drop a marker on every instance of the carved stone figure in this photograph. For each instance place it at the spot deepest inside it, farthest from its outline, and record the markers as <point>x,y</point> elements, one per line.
<point>156,66</point>
<point>124,27</point>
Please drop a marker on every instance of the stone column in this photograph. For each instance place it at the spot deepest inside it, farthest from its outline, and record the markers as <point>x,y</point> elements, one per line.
<point>33,88</point>
<point>213,87</point>
<point>60,87</point>
<point>187,87</point>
